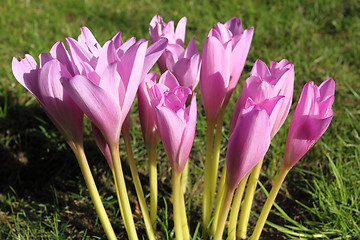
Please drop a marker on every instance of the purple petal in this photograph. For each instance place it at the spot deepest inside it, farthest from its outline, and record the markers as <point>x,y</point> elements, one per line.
<point>146,111</point>
<point>303,137</point>
<point>189,133</point>
<point>88,39</point>
<point>239,55</point>
<point>59,52</point>
<point>107,55</point>
<point>214,77</point>
<point>171,129</point>
<point>191,49</point>
<point>98,105</point>
<point>26,72</point>
<point>169,80</point>
<point>248,144</point>
<point>153,53</point>
<point>65,114</point>
<point>130,70</point>
<point>260,70</point>
<point>234,25</point>
<point>180,31</point>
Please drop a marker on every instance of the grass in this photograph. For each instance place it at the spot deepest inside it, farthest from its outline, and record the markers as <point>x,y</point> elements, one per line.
<point>42,193</point>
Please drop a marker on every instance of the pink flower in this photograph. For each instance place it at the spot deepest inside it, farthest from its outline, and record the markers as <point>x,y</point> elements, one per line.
<point>281,77</point>
<point>270,89</point>
<point>146,112</point>
<point>223,59</point>
<point>312,117</point>
<point>175,121</point>
<point>159,29</point>
<point>107,100</point>
<point>248,144</point>
<point>99,68</point>
<point>44,83</point>
<point>184,64</point>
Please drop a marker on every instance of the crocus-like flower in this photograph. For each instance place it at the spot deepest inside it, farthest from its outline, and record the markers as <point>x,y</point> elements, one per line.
<point>107,102</point>
<point>43,81</point>
<point>97,64</point>
<point>311,118</point>
<point>270,89</point>
<point>146,112</point>
<point>184,64</point>
<point>159,29</point>
<point>175,121</point>
<point>281,77</point>
<point>223,59</point>
<point>248,144</point>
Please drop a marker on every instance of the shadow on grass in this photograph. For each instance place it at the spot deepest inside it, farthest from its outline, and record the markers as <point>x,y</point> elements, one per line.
<point>40,171</point>
<point>40,178</point>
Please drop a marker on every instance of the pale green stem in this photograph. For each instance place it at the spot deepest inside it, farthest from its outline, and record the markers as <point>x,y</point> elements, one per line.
<point>228,194</point>
<point>235,207</point>
<point>208,159</point>
<point>248,200</point>
<point>184,223</point>
<point>216,155</point>
<point>124,200</point>
<point>94,194</point>
<point>117,193</point>
<point>176,188</point>
<point>138,187</point>
<point>219,198</point>
<point>184,177</point>
<point>269,202</point>
<point>151,151</point>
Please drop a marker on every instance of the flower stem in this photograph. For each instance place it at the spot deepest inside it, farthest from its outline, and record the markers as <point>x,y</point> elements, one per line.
<point>117,193</point>
<point>234,213</point>
<point>228,194</point>
<point>124,200</point>
<point>138,187</point>
<point>184,223</point>
<point>248,200</point>
<point>207,207</point>
<point>216,155</point>
<point>219,198</point>
<point>176,188</point>
<point>269,202</point>
<point>184,177</point>
<point>151,151</point>
<point>94,194</point>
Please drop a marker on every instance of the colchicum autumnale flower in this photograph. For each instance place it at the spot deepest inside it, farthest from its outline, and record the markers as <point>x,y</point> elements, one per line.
<point>184,63</point>
<point>159,29</point>
<point>43,81</point>
<point>268,88</point>
<point>224,55</point>
<point>175,121</point>
<point>248,143</point>
<point>312,117</point>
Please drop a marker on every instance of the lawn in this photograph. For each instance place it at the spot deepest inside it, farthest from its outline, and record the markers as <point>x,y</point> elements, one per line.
<point>42,192</point>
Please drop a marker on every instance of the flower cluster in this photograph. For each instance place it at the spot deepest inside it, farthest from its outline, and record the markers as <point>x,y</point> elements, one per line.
<point>103,81</point>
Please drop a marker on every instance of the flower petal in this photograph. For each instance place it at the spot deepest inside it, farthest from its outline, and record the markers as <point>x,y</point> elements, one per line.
<point>26,72</point>
<point>171,129</point>
<point>180,31</point>
<point>188,134</point>
<point>65,114</point>
<point>97,104</point>
<point>248,144</point>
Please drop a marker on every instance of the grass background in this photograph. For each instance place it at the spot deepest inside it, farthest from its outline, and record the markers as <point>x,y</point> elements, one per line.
<point>42,193</point>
